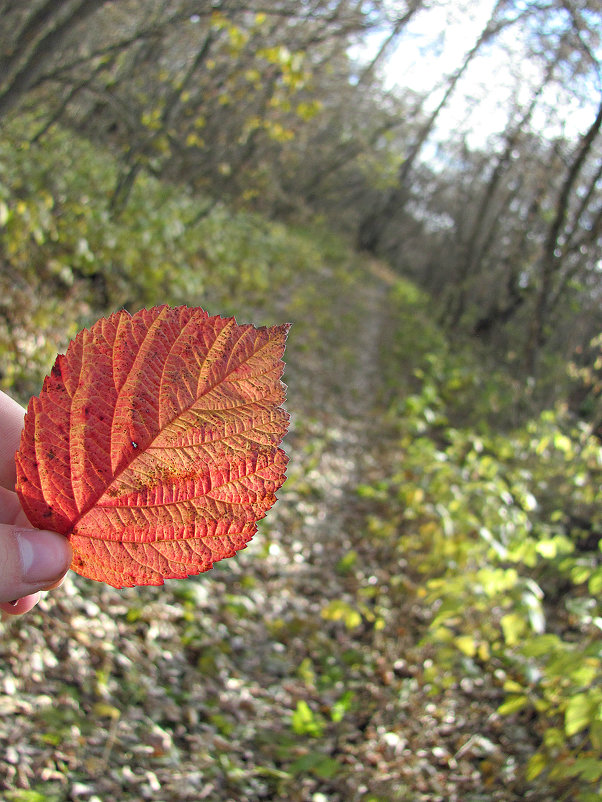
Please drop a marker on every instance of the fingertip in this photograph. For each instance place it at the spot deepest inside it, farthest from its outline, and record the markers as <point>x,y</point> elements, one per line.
<point>20,606</point>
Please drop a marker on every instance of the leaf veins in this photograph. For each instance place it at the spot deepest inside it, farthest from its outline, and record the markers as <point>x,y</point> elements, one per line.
<point>154,444</point>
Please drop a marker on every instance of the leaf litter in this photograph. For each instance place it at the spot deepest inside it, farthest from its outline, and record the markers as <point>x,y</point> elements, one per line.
<point>235,685</point>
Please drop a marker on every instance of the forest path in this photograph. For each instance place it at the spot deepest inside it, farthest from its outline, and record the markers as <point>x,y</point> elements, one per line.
<point>293,672</point>
<point>220,686</point>
<point>335,399</point>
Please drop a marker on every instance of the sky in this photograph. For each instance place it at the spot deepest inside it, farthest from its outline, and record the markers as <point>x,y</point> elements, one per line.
<point>434,45</point>
<point>429,52</point>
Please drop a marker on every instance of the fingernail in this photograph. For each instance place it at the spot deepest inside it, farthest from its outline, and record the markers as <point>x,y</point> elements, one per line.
<point>44,555</point>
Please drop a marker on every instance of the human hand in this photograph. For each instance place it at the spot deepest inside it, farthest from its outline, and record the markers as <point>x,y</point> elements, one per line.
<point>31,560</point>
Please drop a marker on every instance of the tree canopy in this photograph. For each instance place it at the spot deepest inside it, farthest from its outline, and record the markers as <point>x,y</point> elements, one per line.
<point>266,107</point>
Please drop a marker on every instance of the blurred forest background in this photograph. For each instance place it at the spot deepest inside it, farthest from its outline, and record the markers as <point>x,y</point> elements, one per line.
<point>415,184</point>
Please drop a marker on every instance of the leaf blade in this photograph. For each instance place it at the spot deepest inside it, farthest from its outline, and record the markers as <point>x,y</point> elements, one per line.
<point>154,444</point>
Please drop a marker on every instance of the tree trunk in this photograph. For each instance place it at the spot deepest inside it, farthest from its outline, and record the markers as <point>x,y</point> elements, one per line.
<point>48,29</point>
<point>550,262</point>
<point>480,240</point>
<point>372,227</point>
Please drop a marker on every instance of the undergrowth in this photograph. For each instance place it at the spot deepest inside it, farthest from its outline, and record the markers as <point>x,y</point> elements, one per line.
<point>486,510</point>
<point>501,527</point>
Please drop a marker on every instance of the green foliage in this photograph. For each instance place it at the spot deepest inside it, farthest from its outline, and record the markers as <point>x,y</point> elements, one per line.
<point>504,530</point>
<point>305,722</point>
<point>319,764</point>
<point>340,610</point>
<point>449,386</point>
<point>494,514</point>
<point>22,795</point>
<point>67,259</point>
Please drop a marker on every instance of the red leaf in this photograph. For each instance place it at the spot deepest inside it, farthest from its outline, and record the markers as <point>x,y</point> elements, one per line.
<point>153,445</point>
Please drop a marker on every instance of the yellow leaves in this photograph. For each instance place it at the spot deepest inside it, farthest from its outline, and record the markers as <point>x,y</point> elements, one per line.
<point>526,499</point>
<point>564,444</point>
<point>30,218</point>
<point>339,610</point>
<point>414,496</point>
<point>253,76</point>
<point>238,38</point>
<point>105,710</point>
<point>472,647</point>
<point>537,763</point>
<point>279,55</point>
<point>581,710</point>
<point>280,101</point>
<point>305,722</point>
<point>484,651</point>
<point>278,132</point>
<point>291,64</point>
<point>427,530</point>
<point>152,119</point>
<point>549,548</point>
<point>218,21</point>
<point>193,140</point>
<point>494,581</point>
<point>306,672</point>
<point>512,705</point>
<point>379,527</point>
<point>161,145</point>
<point>307,110</point>
<point>514,627</point>
<point>466,644</point>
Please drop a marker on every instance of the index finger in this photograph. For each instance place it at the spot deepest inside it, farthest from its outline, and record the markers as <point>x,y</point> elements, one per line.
<point>11,424</point>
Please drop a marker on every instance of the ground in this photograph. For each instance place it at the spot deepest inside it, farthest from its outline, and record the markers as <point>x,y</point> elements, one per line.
<point>293,671</point>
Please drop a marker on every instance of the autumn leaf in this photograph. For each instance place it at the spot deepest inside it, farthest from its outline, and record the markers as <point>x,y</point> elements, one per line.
<point>153,445</point>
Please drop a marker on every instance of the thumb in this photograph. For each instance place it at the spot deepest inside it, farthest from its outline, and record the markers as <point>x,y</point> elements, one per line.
<point>30,560</point>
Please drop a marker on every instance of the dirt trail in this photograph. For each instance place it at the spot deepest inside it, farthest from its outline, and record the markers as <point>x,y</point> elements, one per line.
<point>186,692</point>
<point>334,392</point>
<point>286,673</point>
